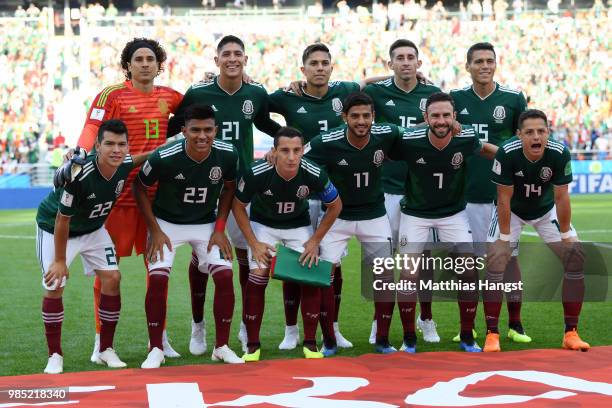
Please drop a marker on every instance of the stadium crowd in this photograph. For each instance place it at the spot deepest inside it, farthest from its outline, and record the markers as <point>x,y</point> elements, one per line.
<point>561,63</point>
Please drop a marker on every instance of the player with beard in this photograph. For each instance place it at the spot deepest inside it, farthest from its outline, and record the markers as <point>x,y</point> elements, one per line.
<point>435,198</point>
<point>353,155</point>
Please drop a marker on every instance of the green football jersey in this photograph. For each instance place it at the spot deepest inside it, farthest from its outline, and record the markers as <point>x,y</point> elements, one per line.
<point>87,200</point>
<point>235,114</point>
<point>312,115</point>
<point>188,190</point>
<point>435,182</point>
<point>533,193</point>
<point>356,173</point>
<point>280,203</point>
<point>405,109</point>
<point>495,120</point>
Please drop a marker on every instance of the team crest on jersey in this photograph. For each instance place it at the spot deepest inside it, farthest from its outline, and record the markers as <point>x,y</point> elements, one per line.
<point>215,174</point>
<point>162,105</point>
<point>457,160</point>
<point>302,192</point>
<point>247,108</point>
<point>119,187</point>
<point>379,156</point>
<point>422,104</point>
<point>403,241</point>
<point>546,173</point>
<point>499,114</point>
<point>337,106</point>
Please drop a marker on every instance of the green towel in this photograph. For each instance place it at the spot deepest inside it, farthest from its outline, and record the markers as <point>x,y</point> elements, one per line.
<point>285,267</point>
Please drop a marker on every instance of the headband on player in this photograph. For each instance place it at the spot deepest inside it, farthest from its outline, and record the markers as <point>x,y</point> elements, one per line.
<point>140,44</point>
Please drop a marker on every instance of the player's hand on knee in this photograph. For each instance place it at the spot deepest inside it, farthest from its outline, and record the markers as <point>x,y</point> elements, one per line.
<point>155,246</point>
<point>310,254</point>
<point>220,239</point>
<point>262,253</point>
<point>56,273</point>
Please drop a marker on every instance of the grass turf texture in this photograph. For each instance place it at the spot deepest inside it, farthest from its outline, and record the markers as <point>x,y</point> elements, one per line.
<point>22,343</point>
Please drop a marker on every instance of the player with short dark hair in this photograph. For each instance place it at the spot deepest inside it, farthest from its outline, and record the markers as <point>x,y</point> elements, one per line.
<point>316,108</point>
<point>145,108</point>
<point>493,110</point>
<point>353,155</point>
<point>279,214</point>
<point>532,174</point>
<point>434,198</point>
<point>238,106</point>
<point>401,100</point>
<point>196,184</point>
<point>70,221</point>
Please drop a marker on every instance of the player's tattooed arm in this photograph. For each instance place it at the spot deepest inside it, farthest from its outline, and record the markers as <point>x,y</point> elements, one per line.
<point>58,269</point>
<point>157,238</point>
<point>488,150</point>
<point>218,236</point>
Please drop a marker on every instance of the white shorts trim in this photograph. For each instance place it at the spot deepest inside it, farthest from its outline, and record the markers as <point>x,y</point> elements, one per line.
<point>415,233</point>
<point>196,235</point>
<point>96,249</point>
<point>293,238</point>
<point>546,226</point>
<point>335,242</point>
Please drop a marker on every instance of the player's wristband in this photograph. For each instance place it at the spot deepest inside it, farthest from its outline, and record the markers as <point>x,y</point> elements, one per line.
<point>504,237</point>
<point>566,235</point>
<point>220,226</point>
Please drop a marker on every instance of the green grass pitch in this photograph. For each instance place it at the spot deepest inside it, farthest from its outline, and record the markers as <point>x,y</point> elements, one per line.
<point>22,342</point>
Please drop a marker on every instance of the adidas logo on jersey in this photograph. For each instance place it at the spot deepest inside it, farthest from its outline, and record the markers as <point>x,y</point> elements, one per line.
<point>214,108</point>
<point>301,110</point>
<point>421,161</point>
<point>343,163</point>
<point>91,196</point>
<point>519,173</point>
<point>464,112</point>
<point>268,193</point>
<point>179,177</point>
<point>390,103</point>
